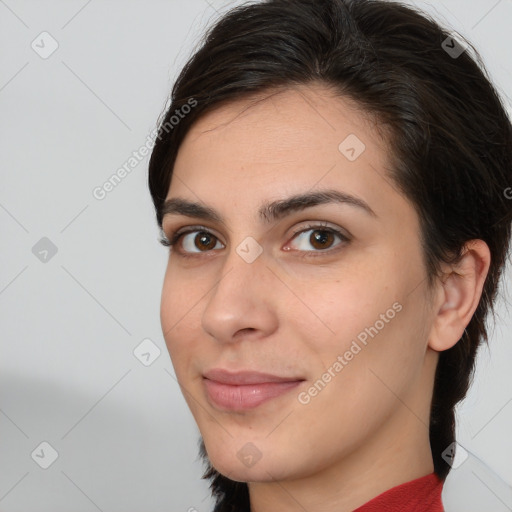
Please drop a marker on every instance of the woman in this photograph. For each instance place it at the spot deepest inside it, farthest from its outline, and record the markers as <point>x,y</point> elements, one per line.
<point>331,179</point>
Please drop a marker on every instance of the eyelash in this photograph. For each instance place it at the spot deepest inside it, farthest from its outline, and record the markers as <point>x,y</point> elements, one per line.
<point>175,237</point>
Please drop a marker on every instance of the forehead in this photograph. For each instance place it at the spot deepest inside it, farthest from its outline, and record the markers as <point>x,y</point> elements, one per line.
<point>276,144</point>
<point>295,123</point>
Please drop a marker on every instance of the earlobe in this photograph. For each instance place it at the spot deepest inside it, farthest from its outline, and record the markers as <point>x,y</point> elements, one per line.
<point>459,294</point>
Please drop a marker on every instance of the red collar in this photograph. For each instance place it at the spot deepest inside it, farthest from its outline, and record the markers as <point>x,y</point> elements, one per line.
<point>420,495</point>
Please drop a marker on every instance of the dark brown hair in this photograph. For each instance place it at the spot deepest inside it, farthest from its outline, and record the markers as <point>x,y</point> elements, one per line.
<point>448,131</point>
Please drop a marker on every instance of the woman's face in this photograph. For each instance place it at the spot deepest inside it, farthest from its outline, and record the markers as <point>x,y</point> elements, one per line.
<point>326,295</point>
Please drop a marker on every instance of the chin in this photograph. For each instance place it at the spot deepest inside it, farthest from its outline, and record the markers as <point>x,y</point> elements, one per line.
<point>247,464</point>
<point>246,475</point>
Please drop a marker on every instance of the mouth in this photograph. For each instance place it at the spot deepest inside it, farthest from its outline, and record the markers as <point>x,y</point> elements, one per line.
<point>245,390</point>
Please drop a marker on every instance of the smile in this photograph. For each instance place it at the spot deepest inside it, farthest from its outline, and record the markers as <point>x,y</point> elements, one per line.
<point>246,396</point>
<point>244,390</point>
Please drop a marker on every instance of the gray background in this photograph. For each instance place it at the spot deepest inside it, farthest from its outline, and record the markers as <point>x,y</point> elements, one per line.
<point>70,323</point>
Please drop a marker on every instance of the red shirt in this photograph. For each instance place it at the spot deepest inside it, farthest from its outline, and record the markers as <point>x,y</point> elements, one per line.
<point>420,495</point>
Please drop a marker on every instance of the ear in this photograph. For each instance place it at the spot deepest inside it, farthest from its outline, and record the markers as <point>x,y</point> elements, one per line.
<point>458,295</point>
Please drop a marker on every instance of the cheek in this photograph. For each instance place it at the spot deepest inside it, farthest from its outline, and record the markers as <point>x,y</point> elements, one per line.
<point>179,318</point>
<point>370,318</point>
<point>169,305</point>
<point>364,374</point>
<point>181,294</point>
<point>344,309</point>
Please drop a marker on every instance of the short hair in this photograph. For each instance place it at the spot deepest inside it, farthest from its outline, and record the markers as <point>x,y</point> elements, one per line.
<point>449,135</point>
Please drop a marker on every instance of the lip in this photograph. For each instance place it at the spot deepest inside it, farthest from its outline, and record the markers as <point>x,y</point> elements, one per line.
<point>245,377</point>
<point>244,390</point>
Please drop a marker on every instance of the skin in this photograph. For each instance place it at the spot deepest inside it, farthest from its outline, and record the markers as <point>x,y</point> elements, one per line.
<point>290,313</point>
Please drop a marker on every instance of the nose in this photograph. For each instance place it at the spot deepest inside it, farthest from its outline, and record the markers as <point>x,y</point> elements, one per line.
<point>244,302</point>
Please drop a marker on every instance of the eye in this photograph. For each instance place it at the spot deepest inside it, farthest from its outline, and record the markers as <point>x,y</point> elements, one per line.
<point>198,239</point>
<point>320,237</point>
<point>203,240</point>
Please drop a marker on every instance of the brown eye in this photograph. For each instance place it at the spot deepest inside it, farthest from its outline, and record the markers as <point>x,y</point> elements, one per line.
<point>321,239</point>
<point>204,241</point>
<point>195,241</point>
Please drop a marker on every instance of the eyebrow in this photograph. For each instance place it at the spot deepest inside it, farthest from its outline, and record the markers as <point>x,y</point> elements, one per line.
<point>270,211</point>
